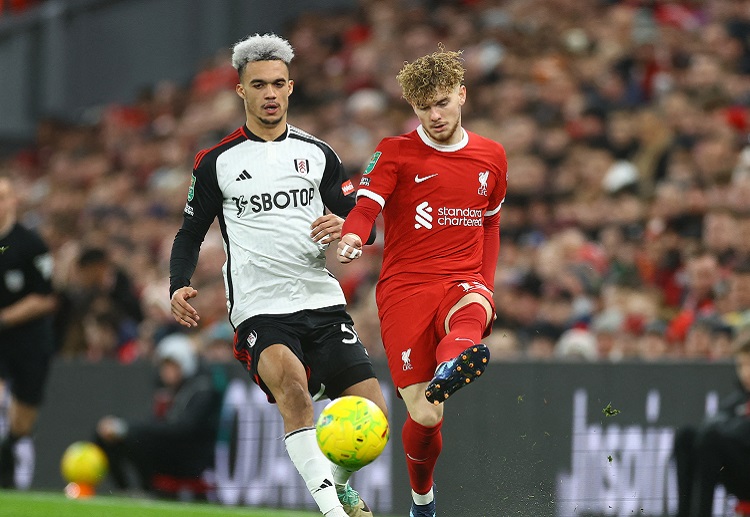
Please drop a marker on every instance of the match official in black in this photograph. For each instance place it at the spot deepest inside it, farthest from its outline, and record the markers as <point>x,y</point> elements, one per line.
<point>27,303</point>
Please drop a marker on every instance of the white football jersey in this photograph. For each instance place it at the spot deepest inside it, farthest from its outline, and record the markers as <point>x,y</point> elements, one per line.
<point>265,196</point>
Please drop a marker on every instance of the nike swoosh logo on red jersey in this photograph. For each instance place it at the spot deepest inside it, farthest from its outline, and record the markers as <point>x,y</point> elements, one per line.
<point>417,179</point>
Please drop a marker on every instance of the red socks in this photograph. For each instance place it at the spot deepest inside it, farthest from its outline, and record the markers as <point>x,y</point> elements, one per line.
<point>422,446</point>
<point>467,326</point>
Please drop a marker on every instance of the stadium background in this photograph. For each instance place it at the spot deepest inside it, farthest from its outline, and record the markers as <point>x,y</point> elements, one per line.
<point>625,124</point>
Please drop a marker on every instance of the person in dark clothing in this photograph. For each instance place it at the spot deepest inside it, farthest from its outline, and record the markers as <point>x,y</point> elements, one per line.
<point>27,302</point>
<point>178,441</point>
<point>103,295</point>
<point>99,276</point>
<point>718,450</point>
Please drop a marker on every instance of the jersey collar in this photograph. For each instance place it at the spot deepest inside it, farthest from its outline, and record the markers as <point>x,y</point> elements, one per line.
<point>255,138</point>
<point>440,147</point>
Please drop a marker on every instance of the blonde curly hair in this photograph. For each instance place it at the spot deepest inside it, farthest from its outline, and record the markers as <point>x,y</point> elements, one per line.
<point>429,75</point>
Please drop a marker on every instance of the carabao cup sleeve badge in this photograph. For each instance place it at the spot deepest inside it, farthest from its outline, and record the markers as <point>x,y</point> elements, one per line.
<point>373,161</point>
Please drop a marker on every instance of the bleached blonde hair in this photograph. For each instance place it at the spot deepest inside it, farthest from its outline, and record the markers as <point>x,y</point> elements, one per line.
<point>266,47</point>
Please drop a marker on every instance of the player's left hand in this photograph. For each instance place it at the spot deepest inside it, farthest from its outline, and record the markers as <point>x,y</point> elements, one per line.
<point>326,229</point>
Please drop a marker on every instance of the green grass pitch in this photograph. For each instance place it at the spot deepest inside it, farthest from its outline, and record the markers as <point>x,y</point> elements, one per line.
<point>49,504</point>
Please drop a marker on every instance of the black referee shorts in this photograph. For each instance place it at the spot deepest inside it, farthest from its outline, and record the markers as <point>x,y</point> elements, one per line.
<point>324,340</point>
<point>25,356</point>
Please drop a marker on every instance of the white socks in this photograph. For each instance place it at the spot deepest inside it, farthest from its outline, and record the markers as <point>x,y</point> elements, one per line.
<point>423,498</point>
<point>315,469</point>
<point>340,477</point>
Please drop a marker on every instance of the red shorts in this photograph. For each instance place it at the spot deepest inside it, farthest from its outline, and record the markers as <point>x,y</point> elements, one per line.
<point>413,324</point>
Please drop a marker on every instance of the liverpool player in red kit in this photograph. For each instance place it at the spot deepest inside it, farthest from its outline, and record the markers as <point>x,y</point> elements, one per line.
<point>440,189</point>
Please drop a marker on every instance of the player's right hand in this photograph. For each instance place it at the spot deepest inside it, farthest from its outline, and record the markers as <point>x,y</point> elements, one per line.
<point>182,311</point>
<point>350,248</point>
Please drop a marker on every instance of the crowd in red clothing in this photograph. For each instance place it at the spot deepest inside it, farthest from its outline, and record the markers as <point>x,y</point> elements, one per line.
<point>626,230</point>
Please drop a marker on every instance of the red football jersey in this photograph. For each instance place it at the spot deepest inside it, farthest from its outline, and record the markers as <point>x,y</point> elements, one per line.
<point>434,200</point>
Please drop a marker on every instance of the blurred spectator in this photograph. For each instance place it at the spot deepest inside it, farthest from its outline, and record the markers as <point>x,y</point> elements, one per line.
<point>503,345</point>
<point>175,446</point>
<point>98,275</point>
<point>216,352</point>
<point>721,344</point>
<point>105,338</point>
<point>518,302</point>
<point>576,345</point>
<point>720,234</point>
<point>702,277</point>
<point>627,339</point>
<point>605,327</point>
<point>735,309</point>
<point>701,338</point>
<point>652,344</point>
<point>217,344</point>
<point>102,311</point>
<point>541,340</point>
<point>717,451</point>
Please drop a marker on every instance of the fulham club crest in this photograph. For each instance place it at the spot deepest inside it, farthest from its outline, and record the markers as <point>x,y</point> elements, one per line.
<point>302,166</point>
<point>251,339</point>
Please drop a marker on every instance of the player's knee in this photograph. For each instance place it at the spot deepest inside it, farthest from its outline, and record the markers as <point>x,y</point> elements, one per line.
<point>426,415</point>
<point>369,389</point>
<point>475,299</point>
<point>295,405</point>
<point>380,402</point>
<point>384,408</point>
<point>295,394</point>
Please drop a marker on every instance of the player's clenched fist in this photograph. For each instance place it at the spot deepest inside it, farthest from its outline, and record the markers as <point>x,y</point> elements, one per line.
<point>350,248</point>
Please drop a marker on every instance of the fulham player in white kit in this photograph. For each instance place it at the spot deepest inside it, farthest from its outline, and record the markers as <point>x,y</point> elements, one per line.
<point>269,184</point>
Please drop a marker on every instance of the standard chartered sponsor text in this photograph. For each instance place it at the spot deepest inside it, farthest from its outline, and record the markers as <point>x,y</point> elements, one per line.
<point>448,216</point>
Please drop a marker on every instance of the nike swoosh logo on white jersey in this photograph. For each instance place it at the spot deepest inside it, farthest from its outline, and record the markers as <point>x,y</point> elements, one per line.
<point>417,179</point>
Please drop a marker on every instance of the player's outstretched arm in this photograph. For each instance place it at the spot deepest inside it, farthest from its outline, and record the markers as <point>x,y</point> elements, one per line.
<point>350,248</point>
<point>182,311</point>
<point>326,229</point>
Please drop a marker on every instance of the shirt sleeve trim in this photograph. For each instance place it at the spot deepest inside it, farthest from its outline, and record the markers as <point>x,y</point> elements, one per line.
<point>490,213</point>
<point>375,197</point>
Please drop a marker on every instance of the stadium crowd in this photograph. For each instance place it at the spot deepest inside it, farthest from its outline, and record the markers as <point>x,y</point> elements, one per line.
<point>626,230</point>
